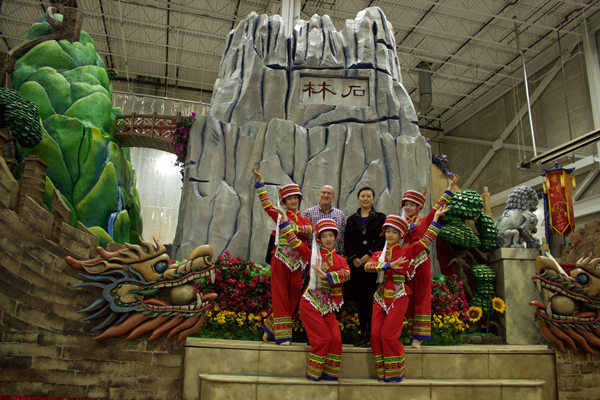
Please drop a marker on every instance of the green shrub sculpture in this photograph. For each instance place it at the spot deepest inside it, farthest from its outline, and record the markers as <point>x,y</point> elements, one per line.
<point>68,83</point>
<point>21,117</point>
<point>484,291</point>
<point>467,205</point>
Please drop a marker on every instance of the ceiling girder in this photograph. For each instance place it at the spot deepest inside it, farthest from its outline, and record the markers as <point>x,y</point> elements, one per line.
<point>499,143</point>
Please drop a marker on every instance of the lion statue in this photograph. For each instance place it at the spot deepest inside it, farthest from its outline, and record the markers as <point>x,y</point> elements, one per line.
<point>517,223</point>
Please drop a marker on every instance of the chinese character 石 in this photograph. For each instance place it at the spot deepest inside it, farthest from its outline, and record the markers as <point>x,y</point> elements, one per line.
<point>313,90</point>
<point>355,90</point>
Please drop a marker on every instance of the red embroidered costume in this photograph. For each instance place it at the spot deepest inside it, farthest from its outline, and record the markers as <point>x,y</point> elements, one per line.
<point>391,301</point>
<point>419,310</point>
<point>286,270</point>
<point>318,304</point>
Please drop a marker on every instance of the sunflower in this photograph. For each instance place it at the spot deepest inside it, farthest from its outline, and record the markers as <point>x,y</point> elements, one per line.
<point>498,304</point>
<point>474,313</point>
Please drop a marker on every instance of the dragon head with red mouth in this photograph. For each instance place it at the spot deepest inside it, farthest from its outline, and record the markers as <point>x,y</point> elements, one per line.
<point>571,317</point>
<point>142,291</point>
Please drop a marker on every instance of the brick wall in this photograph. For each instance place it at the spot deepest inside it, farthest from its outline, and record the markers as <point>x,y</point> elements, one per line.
<point>45,348</point>
<point>577,376</point>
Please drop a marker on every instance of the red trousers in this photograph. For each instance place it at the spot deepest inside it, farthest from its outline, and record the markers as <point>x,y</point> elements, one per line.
<point>388,350</point>
<point>285,292</point>
<point>325,342</point>
<point>419,309</point>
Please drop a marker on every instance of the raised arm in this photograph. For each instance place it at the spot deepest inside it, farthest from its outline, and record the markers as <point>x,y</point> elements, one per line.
<point>429,236</point>
<point>443,201</point>
<point>263,196</point>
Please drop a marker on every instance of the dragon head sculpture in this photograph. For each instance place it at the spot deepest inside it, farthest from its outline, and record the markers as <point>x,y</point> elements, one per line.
<point>571,317</point>
<point>143,292</point>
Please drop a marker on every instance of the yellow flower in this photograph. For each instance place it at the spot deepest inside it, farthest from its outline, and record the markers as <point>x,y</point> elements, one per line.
<point>474,313</point>
<point>498,304</point>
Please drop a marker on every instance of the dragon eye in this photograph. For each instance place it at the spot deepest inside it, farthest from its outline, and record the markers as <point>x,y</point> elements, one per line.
<point>161,266</point>
<point>583,279</point>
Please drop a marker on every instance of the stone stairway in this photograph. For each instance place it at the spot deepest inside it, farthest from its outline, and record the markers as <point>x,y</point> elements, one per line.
<point>223,369</point>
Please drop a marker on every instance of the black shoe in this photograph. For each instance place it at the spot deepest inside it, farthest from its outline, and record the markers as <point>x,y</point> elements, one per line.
<point>366,343</point>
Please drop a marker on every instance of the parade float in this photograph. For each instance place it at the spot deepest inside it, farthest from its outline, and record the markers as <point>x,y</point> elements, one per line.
<point>338,97</point>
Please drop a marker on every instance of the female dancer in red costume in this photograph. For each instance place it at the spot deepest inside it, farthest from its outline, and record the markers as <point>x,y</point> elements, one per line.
<point>392,297</point>
<point>321,299</point>
<point>419,309</point>
<point>286,264</point>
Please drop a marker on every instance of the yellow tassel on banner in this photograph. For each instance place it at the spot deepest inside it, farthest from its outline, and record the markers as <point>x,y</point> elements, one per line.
<point>573,182</point>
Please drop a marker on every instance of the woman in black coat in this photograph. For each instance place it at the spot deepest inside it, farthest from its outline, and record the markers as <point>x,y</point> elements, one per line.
<point>363,237</point>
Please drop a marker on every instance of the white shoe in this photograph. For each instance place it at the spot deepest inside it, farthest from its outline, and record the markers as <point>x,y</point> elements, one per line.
<point>416,343</point>
<point>265,337</point>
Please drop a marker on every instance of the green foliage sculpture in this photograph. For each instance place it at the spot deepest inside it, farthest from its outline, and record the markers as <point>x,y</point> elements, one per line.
<point>21,117</point>
<point>69,84</point>
<point>467,205</point>
<point>484,290</point>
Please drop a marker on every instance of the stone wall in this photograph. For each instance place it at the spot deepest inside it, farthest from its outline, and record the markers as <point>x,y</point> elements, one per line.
<point>577,376</point>
<point>45,348</point>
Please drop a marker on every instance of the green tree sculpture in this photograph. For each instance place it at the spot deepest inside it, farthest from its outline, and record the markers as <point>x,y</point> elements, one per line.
<point>466,205</point>
<point>68,83</point>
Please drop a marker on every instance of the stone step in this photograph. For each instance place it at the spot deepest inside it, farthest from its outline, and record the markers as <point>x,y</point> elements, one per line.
<point>221,387</point>
<point>443,363</point>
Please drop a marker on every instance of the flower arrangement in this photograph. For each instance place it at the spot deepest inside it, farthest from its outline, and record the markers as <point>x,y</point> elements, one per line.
<point>442,163</point>
<point>244,302</point>
<point>179,138</point>
<point>244,290</point>
<point>449,308</point>
<point>481,322</point>
<point>226,324</point>
<point>448,296</point>
<point>349,326</point>
<point>447,329</point>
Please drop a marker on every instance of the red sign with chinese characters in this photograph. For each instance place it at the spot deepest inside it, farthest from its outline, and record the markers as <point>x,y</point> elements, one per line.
<point>559,190</point>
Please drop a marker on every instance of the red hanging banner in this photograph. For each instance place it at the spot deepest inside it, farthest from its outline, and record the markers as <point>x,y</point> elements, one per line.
<point>558,187</point>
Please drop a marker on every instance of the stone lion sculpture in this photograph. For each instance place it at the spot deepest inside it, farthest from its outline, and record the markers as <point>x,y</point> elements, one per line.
<point>518,222</point>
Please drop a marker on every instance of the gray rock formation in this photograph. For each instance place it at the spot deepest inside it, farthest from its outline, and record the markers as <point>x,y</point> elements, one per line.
<point>321,107</point>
